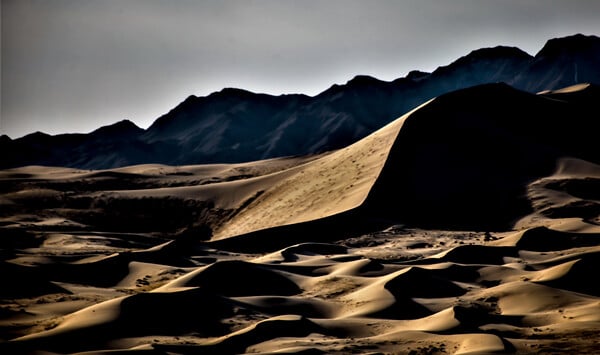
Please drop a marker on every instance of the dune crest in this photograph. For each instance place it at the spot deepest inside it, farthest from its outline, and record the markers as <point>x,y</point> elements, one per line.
<point>335,183</point>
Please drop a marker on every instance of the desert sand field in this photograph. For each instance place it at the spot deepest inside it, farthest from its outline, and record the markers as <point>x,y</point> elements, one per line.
<point>470,225</point>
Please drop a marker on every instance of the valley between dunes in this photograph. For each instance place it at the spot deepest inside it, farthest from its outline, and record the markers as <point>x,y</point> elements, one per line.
<point>470,225</point>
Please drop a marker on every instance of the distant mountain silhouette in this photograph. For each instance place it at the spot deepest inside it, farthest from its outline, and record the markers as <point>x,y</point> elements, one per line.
<point>235,125</point>
<point>560,63</point>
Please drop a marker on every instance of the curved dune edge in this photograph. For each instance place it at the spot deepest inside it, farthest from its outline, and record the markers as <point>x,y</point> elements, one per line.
<point>330,185</point>
<point>326,298</point>
<point>567,90</point>
<point>256,195</point>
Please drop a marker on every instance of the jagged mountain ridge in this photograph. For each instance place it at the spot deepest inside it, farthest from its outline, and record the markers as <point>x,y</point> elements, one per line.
<point>235,125</point>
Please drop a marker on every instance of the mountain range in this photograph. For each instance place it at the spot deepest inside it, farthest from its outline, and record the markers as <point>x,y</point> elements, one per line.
<point>234,125</point>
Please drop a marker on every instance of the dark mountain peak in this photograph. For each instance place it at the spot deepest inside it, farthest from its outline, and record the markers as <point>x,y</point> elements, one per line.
<point>37,135</point>
<point>357,83</point>
<point>486,55</point>
<point>498,52</point>
<point>187,104</point>
<point>189,99</point>
<point>363,80</point>
<point>123,128</point>
<point>570,44</point>
<point>232,93</point>
<point>4,138</point>
<point>416,75</point>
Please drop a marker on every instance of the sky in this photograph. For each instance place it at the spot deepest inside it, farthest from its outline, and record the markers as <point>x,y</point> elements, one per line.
<point>75,65</point>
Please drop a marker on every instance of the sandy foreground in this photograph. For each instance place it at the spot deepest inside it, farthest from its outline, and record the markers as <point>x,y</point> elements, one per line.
<point>419,239</point>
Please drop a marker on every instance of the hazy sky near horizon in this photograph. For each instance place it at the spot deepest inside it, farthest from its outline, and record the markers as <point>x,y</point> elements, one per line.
<point>75,65</point>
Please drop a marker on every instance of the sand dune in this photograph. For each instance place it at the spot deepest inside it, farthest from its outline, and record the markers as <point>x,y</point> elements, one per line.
<point>423,238</point>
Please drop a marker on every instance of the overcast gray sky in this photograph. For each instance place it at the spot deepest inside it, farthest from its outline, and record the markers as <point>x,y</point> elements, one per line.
<point>74,65</point>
